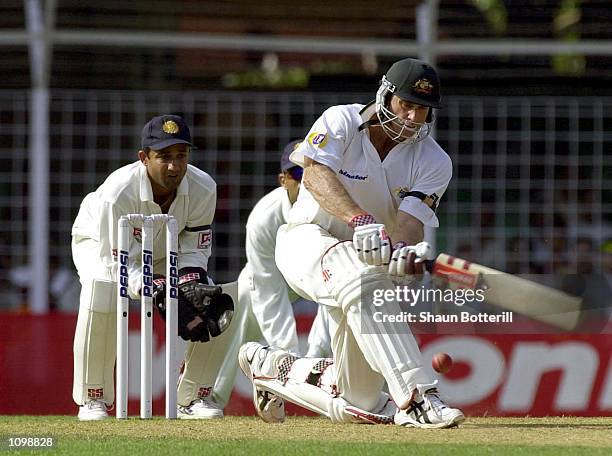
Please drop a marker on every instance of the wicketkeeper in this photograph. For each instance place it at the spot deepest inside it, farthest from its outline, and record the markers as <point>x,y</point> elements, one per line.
<point>160,182</point>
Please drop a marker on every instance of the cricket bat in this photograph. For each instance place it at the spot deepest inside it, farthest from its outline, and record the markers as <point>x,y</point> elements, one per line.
<point>508,291</point>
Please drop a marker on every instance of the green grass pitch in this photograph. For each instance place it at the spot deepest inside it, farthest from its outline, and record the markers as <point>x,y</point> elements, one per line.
<point>309,436</point>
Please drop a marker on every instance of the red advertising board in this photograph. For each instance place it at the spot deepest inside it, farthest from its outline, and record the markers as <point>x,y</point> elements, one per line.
<point>500,375</point>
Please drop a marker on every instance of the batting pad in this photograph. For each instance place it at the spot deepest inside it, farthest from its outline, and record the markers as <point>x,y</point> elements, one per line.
<point>390,350</point>
<point>321,399</point>
<point>203,360</point>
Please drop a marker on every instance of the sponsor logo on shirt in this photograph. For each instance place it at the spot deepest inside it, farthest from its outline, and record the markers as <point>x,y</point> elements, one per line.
<point>352,176</point>
<point>204,239</point>
<point>317,139</point>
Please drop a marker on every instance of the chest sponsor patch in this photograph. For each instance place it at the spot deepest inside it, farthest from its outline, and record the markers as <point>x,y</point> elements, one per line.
<point>204,239</point>
<point>352,175</point>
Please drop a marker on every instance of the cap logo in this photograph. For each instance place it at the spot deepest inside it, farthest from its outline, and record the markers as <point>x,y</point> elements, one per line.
<point>170,127</point>
<point>423,86</point>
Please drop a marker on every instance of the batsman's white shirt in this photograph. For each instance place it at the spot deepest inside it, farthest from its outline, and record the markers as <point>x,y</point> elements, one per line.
<point>268,290</point>
<point>380,188</point>
<point>128,191</point>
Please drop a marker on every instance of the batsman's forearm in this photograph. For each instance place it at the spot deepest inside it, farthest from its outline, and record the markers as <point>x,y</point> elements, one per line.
<point>329,192</point>
<point>408,229</point>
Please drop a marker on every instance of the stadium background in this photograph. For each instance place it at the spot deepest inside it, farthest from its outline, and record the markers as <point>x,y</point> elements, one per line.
<point>527,127</point>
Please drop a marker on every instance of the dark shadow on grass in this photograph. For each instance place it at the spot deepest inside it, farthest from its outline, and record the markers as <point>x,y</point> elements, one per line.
<point>538,425</point>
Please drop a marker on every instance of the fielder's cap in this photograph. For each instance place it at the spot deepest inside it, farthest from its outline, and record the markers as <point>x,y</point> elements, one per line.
<point>285,162</point>
<point>415,81</point>
<point>166,130</point>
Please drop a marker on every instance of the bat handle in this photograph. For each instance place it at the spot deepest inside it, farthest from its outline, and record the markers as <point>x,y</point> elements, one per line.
<point>429,265</point>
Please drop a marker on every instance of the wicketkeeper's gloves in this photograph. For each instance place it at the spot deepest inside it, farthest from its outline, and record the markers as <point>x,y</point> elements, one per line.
<point>204,311</point>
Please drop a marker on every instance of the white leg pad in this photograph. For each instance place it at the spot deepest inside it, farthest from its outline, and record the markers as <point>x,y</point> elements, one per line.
<point>95,342</point>
<point>286,376</point>
<point>196,380</point>
<point>390,349</point>
<point>310,383</point>
<point>204,360</point>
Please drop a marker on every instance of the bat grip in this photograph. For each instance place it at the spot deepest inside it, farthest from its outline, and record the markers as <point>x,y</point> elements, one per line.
<point>429,265</point>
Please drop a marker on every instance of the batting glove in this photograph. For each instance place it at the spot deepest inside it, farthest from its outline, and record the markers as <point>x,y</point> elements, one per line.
<point>407,260</point>
<point>372,244</point>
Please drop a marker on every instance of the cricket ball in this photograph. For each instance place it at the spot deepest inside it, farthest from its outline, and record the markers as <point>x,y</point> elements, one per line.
<point>442,362</point>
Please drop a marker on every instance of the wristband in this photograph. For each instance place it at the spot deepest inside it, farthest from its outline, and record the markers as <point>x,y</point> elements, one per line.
<point>361,219</point>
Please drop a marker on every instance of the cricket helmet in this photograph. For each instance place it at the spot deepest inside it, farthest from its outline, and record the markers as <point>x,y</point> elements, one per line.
<point>413,81</point>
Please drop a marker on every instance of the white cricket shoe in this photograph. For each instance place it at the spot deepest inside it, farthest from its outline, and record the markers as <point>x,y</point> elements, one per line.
<point>93,410</point>
<point>257,360</point>
<point>428,411</point>
<point>200,409</point>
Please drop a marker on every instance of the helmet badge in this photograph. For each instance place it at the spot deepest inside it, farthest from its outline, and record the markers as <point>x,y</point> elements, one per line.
<point>423,86</point>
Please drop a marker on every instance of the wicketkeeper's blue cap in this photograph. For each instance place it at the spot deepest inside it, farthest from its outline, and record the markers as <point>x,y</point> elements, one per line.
<point>164,131</point>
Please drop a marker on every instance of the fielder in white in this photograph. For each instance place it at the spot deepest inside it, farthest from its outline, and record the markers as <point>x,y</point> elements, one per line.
<point>371,174</point>
<point>161,181</point>
<point>265,306</point>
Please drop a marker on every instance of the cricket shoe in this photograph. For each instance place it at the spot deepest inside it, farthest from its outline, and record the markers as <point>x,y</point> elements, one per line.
<point>428,411</point>
<point>258,361</point>
<point>385,415</point>
<point>93,410</point>
<point>200,409</point>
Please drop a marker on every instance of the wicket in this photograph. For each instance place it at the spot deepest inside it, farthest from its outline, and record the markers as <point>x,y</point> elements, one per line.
<point>146,313</point>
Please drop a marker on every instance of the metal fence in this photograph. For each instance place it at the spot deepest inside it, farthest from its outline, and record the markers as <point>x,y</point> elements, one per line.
<point>530,193</point>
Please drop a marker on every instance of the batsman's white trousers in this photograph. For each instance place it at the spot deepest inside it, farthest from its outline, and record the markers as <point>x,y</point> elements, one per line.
<point>298,257</point>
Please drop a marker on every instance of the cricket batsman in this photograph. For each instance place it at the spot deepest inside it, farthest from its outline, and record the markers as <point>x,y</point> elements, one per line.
<point>373,178</point>
<point>161,182</point>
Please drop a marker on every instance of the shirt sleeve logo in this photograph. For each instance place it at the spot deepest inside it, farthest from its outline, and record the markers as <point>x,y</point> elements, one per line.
<point>204,239</point>
<point>317,139</point>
